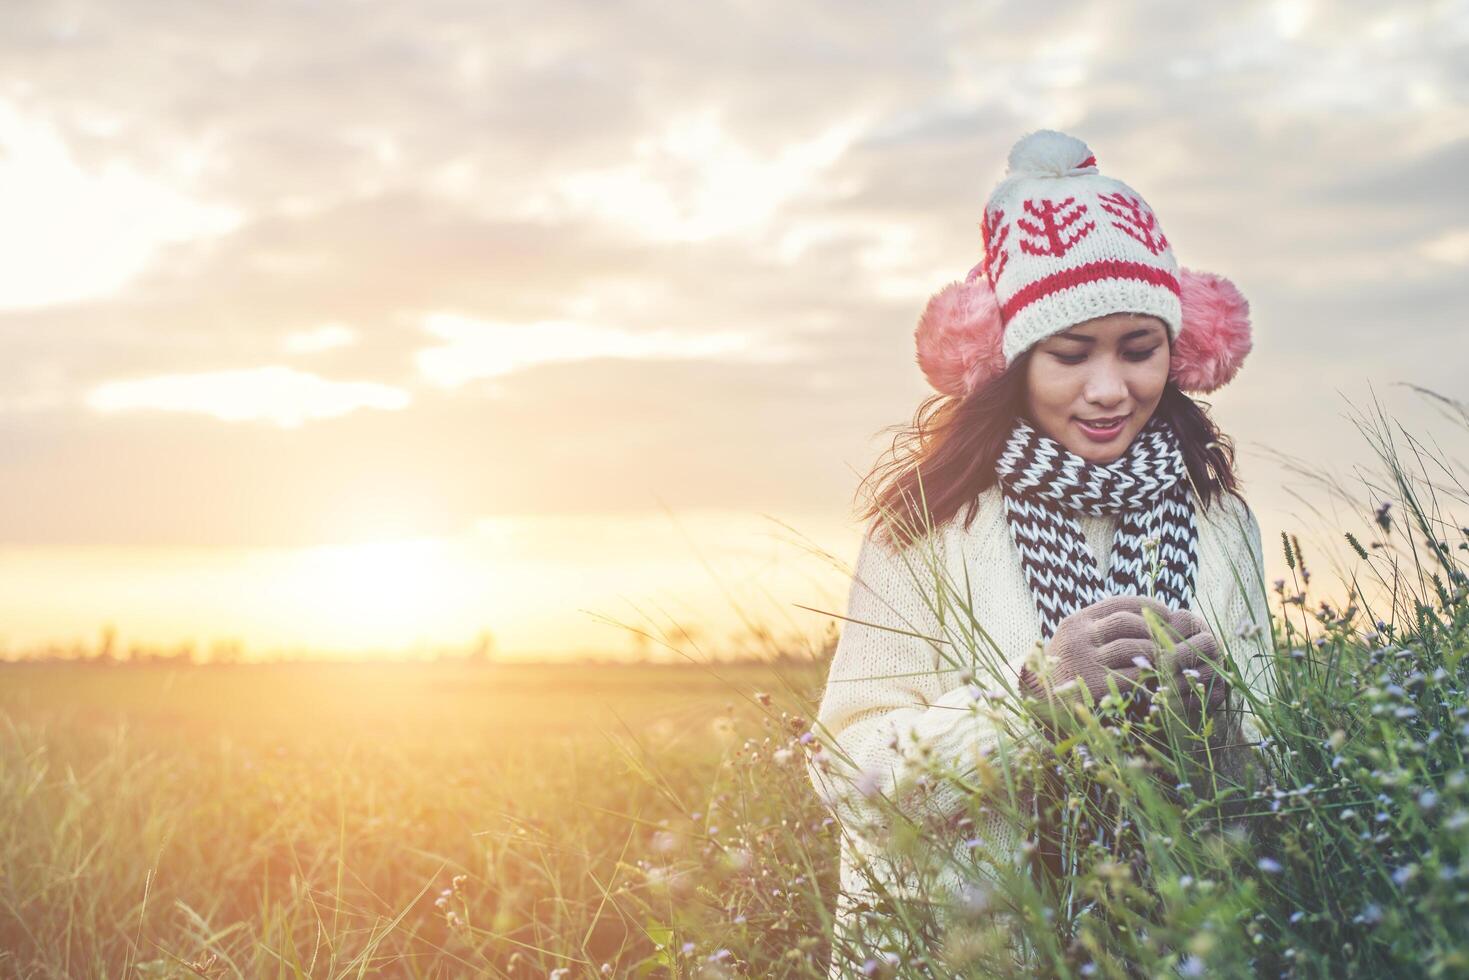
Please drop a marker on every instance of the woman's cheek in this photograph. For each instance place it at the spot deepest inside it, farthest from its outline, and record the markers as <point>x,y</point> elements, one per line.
<point>1152,377</point>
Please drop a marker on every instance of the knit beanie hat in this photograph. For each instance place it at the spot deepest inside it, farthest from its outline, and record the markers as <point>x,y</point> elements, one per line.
<point>1064,244</point>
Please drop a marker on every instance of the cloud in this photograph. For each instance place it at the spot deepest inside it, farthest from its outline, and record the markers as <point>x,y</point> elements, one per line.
<point>480,349</point>
<point>281,395</point>
<point>72,232</point>
<point>329,336</point>
<point>695,180</point>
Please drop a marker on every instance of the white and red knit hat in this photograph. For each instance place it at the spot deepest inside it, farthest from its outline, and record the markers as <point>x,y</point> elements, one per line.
<point>1064,244</point>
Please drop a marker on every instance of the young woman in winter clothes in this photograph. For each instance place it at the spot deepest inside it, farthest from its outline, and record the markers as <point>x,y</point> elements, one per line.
<point>1061,484</point>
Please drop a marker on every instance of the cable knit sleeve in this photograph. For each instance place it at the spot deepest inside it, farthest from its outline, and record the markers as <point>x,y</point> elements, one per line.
<point>894,694</point>
<point>1257,641</point>
<point>1241,608</point>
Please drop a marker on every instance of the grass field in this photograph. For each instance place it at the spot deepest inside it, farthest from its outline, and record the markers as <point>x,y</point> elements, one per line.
<point>406,820</point>
<point>426,820</point>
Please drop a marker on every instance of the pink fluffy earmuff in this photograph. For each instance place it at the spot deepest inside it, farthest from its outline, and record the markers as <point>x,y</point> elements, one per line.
<point>960,332</point>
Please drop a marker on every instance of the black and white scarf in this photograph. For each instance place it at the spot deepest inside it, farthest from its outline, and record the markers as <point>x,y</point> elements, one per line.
<point>1155,550</point>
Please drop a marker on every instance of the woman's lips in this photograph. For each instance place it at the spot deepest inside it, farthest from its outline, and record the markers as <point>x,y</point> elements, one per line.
<point>1102,430</point>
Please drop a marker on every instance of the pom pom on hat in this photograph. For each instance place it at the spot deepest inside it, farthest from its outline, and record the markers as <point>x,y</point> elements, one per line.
<point>1215,336</point>
<point>1048,153</point>
<point>959,336</point>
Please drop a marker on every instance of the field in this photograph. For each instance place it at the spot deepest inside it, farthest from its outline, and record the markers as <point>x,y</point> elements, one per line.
<point>450,819</point>
<point>405,820</point>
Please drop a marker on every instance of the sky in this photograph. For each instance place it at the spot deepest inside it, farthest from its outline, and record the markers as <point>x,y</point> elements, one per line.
<point>378,326</point>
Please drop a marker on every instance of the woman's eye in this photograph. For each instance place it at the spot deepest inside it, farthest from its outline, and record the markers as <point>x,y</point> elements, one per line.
<point>1140,355</point>
<point>1068,358</point>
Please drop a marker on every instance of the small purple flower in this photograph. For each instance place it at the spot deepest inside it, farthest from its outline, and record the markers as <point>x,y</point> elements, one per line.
<point>1269,865</point>
<point>868,782</point>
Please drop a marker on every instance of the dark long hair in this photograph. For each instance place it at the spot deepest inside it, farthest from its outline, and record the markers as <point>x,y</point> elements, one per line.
<point>946,458</point>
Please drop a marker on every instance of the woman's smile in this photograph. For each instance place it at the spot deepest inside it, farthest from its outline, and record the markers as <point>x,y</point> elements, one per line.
<point>1104,429</point>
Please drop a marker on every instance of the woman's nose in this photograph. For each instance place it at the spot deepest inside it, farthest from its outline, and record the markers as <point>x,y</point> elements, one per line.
<point>1105,386</point>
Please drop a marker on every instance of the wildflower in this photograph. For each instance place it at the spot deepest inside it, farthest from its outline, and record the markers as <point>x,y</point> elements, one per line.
<point>1404,874</point>
<point>1296,917</point>
<point>724,728</point>
<point>1371,915</point>
<point>664,842</point>
<point>782,756</point>
<point>686,948</point>
<point>1191,966</point>
<point>807,738</point>
<point>559,973</point>
<point>885,966</point>
<point>1269,865</point>
<point>763,698</point>
<point>1428,799</point>
<point>974,898</point>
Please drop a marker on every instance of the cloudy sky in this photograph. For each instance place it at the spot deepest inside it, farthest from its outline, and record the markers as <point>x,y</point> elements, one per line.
<point>354,325</point>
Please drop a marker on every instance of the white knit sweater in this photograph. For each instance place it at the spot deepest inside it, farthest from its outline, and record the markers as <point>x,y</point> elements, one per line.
<point>884,683</point>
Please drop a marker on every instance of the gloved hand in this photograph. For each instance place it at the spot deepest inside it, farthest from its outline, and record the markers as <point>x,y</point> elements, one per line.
<point>1222,761</point>
<point>1107,638</point>
<point>1195,647</point>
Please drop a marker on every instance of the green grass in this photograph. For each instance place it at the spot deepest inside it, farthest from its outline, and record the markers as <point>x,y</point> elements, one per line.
<point>571,821</point>
<point>307,820</point>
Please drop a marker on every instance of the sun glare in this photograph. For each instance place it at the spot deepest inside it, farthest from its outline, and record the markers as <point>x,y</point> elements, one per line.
<point>376,594</point>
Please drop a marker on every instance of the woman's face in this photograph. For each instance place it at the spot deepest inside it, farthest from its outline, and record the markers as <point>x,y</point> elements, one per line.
<point>1093,386</point>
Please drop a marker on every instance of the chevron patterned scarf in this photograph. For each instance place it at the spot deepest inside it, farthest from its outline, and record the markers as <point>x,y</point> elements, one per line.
<point>1155,550</point>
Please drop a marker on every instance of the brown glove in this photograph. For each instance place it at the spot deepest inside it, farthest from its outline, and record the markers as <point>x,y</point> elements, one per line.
<point>1107,638</point>
<point>1195,645</point>
<point>1223,761</point>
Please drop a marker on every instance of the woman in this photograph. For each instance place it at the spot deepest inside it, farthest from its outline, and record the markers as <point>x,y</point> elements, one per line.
<point>1058,492</point>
